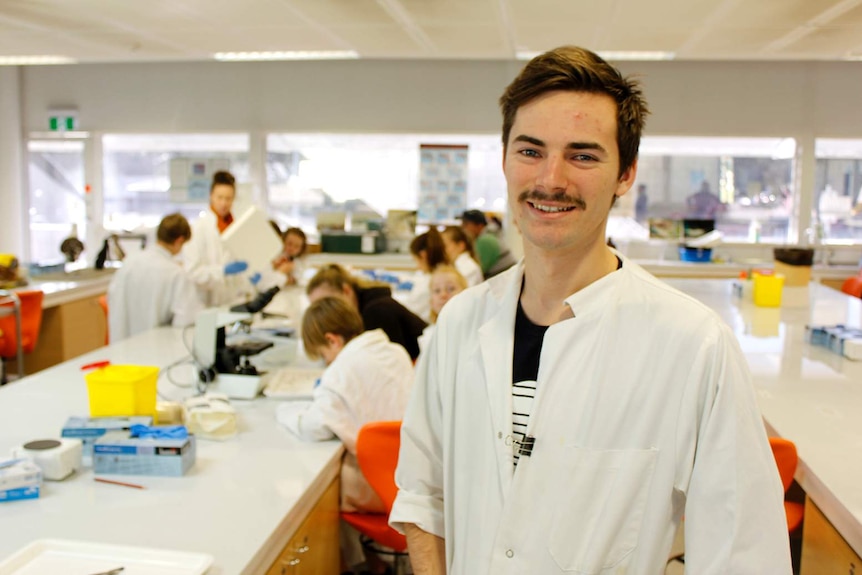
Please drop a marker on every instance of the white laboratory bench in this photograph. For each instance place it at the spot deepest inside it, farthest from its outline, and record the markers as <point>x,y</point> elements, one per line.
<point>245,501</point>
<point>811,396</point>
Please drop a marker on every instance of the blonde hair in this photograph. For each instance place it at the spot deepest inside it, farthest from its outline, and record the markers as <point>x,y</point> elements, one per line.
<point>329,315</point>
<point>443,270</point>
<point>336,277</point>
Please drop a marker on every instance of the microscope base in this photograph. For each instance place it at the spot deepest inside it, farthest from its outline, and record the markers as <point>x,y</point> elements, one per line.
<point>237,386</point>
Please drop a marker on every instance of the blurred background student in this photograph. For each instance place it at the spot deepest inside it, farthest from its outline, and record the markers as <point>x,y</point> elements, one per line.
<point>367,378</point>
<point>373,301</point>
<point>215,272</point>
<point>459,248</point>
<point>152,289</point>
<point>492,252</point>
<point>446,282</point>
<point>429,252</point>
<point>291,262</point>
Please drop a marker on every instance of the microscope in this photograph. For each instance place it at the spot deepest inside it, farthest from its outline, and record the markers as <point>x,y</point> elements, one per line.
<point>226,368</point>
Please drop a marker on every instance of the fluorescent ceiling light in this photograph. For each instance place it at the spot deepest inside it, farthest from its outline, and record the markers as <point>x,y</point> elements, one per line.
<point>608,55</point>
<point>35,60</point>
<point>289,55</point>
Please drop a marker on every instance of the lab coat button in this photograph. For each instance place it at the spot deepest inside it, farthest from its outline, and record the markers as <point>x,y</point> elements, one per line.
<point>510,553</point>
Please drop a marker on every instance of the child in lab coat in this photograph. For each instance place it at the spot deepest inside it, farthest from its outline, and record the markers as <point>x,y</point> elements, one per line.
<point>368,378</point>
<point>445,283</point>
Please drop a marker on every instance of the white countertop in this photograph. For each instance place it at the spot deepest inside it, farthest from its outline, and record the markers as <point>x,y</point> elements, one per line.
<point>63,288</point>
<point>806,393</point>
<point>240,502</point>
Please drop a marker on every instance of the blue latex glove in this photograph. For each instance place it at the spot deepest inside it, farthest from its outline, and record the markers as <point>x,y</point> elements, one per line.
<point>255,278</point>
<point>158,431</point>
<point>236,267</point>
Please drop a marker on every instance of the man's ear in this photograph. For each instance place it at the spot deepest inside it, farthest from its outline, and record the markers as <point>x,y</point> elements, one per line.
<point>627,179</point>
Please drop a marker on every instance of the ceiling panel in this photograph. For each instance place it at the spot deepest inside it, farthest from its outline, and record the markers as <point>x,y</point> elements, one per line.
<point>116,30</point>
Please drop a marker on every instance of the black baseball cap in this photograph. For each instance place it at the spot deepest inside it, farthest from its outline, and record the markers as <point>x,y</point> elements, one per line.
<point>474,217</point>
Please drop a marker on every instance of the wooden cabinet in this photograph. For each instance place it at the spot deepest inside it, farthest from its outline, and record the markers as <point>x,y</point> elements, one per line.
<point>824,551</point>
<point>314,548</point>
<point>68,330</point>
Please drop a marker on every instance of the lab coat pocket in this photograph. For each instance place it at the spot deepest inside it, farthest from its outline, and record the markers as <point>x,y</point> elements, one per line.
<point>601,495</point>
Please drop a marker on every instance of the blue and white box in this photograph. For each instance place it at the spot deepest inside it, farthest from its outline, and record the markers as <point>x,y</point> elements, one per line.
<point>117,453</point>
<point>88,429</point>
<point>19,479</point>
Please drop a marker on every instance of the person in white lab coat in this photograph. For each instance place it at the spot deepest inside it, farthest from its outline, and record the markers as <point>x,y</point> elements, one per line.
<point>459,248</point>
<point>215,272</point>
<point>368,378</point>
<point>152,289</point>
<point>571,410</point>
<point>429,252</point>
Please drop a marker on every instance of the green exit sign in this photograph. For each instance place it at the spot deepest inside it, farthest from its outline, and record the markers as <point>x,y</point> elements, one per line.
<point>62,123</point>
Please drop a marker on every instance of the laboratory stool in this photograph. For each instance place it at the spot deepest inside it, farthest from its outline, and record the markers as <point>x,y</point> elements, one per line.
<point>786,458</point>
<point>377,453</point>
<point>20,321</point>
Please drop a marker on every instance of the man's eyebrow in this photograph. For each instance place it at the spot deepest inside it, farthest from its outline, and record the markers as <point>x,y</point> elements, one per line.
<point>570,146</point>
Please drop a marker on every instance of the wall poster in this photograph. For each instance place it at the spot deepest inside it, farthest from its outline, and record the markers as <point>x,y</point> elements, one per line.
<point>442,182</point>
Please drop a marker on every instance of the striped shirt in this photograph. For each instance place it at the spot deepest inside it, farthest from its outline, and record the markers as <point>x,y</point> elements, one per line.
<point>525,370</point>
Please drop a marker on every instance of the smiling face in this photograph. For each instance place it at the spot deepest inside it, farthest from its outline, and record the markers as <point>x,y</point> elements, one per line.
<point>562,168</point>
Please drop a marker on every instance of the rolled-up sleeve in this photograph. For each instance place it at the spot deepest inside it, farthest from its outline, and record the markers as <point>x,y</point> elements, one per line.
<point>420,464</point>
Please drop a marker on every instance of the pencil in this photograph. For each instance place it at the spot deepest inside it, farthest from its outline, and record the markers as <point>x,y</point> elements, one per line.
<point>112,482</point>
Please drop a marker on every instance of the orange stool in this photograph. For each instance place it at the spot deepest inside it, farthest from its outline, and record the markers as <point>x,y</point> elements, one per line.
<point>853,286</point>
<point>377,448</point>
<point>26,320</point>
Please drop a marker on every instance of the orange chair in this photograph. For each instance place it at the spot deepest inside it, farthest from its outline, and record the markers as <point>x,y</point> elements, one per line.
<point>787,460</point>
<point>853,286</point>
<point>27,321</point>
<point>103,302</point>
<point>377,452</point>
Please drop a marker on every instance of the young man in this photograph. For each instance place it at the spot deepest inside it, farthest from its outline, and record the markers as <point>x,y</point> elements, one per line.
<point>571,410</point>
<point>152,289</point>
<point>209,264</point>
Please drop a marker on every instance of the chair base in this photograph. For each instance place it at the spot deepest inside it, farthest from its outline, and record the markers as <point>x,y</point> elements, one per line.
<point>369,544</point>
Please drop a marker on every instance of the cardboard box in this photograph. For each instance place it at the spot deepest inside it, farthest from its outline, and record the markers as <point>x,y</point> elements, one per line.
<point>117,453</point>
<point>19,479</point>
<point>88,429</point>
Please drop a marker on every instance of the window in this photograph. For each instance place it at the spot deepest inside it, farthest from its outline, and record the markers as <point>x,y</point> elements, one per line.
<point>137,174</point>
<point>837,208</point>
<point>368,174</point>
<point>745,184</point>
<point>57,207</point>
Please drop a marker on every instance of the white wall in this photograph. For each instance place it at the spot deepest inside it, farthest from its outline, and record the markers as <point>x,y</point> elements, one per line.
<point>686,98</point>
<point>795,99</point>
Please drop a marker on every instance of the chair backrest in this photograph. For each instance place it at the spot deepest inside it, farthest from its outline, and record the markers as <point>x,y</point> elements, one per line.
<point>103,303</point>
<point>786,458</point>
<point>31,323</point>
<point>377,448</point>
<point>853,286</point>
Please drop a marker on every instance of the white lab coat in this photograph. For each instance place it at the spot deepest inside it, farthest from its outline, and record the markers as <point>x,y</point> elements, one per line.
<point>204,257</point>
<point>468,268</point>
<point>644,412</point>
<point>418,299</point>
<point>151,289</point>
<point>370,380</point>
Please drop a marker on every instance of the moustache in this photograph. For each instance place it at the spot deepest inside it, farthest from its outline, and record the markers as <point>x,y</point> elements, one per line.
<point>560,197</point>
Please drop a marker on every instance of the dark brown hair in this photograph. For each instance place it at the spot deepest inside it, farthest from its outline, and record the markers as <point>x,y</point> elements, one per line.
<point>172,227</point>
<point>579,70</point>
<point>431,242</point>
<point>223,177</point>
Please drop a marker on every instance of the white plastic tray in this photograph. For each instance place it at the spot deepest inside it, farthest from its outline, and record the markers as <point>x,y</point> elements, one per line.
<point>56,556</point>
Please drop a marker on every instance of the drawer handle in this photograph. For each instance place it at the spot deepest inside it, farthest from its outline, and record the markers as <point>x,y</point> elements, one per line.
<point>303,549</point>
